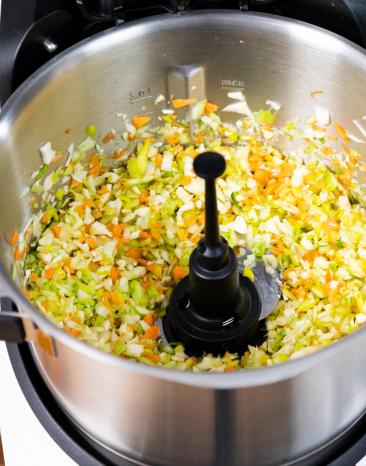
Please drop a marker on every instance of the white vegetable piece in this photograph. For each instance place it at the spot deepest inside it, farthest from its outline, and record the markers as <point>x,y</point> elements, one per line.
<point>47,153</point>
<point>98,228</point>
<point>322,116</point>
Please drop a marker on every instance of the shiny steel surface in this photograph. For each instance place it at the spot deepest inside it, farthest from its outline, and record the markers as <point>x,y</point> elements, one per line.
<point>261,417</point>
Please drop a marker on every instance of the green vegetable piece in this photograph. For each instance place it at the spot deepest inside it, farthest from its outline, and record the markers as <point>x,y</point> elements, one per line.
<point>136,166</point>
<point>91,131</point>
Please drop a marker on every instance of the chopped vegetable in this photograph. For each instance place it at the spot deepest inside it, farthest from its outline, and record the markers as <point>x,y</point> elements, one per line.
<point>101,256</point>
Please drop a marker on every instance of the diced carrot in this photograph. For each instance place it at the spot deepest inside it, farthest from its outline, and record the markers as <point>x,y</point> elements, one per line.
<point>158,160</point>
<point>262,176</point>
<point>327,150</point>
<point>210,108</point>
<point>154,268</point>
<point>33,277</point>
<point>230,369</point>
<point>316,92</point>
<point>45,218</point>
<point>103,190</point>
<point>94,171</point>
<point>115,298</point>
<point>91,241</point>
<point>114,274</point>
<point>149,140</point>
<point>97,214</point>
<point>182,234</point>
<point>179,272</point>
<point>56,230</point>
<point>144,196</point>
<point>189,219</point>
<point>172,139</point>
<point>105,301</point>
<point>73,331</point>
<point>149,319</point>
<point>18,253</point>
<point>117,154</point>
<point>155,235</point>
<point>140,120</point>
<point>199,137</point>
<point>49,273</point>
<point>152,357</point>
<point>276,251</point>
<point>132,137</point>
<point>180,103</point>
<point>133,253</point>
<point>80,209</point>
<point>14,238</point>
<point>186,180</point>
<point>311,255</point>
<point>144,234</point>
<point>342,132</point>
<point>94,161</point>
<point>117,230</point>
<point>141,261</point>
<point>195,238</point>
<point>151,333</point>
<point>109,137</point>
<point>93,266</point>
<point>286,170</point>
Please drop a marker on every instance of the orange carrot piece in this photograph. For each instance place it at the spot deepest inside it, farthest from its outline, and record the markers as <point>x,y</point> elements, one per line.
<point>33,277</point>
<point>45,218</point>
<point>80,209</point>
<point>179,272</point>
<point>91,242</point>
<point>172,139</point>
<point>152,357</point>
<point>152,333</point>
<point>210,108</point>
<point>72,331</point>
<point>186,180</point>
<point>103,190</point>
<point>140,120</point>
<point>56,230</point>
<point>342,132</point>
<point>114,274</point>
<point>149,319</point>
<point>158,160</point>
<point>144,234</point>
<point>115,298</point>
<point>155,235</point>
<point>94,171</point>
<point>144,197</point>
<point>117,230</point>
<point>117,154</point>
<point>14,238</point>
<point>316,92</point>
<point>109,137</point>
<point>262,176</point>
<point>18,253</point>
<point>49,273</point>
<point>180,103</point>
<point>105,301</point>
<point>133,253</point>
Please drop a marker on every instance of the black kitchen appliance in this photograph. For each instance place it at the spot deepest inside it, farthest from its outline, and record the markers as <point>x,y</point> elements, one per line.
<point>34,32</point>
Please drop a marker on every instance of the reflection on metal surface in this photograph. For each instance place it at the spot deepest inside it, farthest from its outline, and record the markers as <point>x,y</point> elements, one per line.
<point>187,82</point>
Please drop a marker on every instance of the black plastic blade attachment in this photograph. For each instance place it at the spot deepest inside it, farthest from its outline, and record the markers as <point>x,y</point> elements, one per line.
<point>215,309</point>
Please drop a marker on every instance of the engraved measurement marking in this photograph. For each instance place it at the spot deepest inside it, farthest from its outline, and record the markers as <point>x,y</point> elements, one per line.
<point>139,95</point>
<point>232,83</point>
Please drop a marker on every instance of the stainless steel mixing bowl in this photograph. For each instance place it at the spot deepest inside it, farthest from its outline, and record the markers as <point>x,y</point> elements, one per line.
<point>265,416</point>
